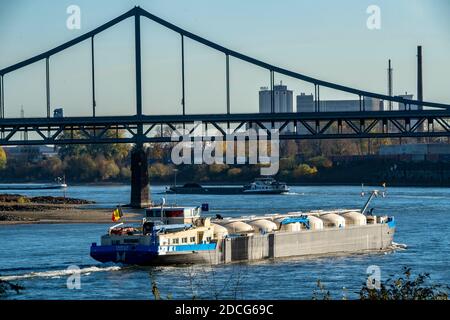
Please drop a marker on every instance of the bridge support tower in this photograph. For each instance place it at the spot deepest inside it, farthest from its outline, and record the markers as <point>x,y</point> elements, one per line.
<point>140,190</point>
<point>139,163</point>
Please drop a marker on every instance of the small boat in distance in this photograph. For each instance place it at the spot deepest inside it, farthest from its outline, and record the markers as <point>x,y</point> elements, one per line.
<point>259,186</point>
<point>60,183</point>
<point>32,186</point>
<point>266,186</point>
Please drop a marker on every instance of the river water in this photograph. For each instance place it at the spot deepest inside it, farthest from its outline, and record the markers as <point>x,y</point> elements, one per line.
<point>38,256</point>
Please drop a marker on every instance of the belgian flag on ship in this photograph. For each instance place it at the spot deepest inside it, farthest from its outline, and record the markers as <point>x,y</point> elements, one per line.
<point>117,214</point>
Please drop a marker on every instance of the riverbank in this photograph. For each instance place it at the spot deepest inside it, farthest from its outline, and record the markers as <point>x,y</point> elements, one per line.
<point>20,209</point>
<point>68,215</point>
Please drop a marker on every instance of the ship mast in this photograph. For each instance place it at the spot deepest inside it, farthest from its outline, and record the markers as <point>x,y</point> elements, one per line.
<point>374,193</point>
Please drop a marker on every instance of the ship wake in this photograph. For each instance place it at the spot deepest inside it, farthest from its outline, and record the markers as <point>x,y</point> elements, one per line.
<point>59,273</point>
<point>398,246</point>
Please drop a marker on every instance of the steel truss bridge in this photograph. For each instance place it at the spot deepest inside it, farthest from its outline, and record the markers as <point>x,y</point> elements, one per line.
<point>417,119</point>
<point>326,125</point>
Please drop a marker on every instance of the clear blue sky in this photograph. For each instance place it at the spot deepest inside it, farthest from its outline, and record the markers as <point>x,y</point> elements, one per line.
<point>324,39</point>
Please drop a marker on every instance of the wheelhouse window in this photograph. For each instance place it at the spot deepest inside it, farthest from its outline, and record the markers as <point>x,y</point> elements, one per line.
<point>131,241</point>
<point>153,213</point>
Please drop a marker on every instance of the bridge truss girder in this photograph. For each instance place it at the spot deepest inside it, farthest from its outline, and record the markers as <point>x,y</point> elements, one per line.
<point>324,125</point>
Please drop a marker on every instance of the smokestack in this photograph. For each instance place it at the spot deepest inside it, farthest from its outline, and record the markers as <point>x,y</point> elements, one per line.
<point>390,84</point>
<point>419,76</point>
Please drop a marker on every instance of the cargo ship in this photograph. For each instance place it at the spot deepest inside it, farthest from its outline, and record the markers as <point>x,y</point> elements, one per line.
<point>181,235</point>
<point>259,186</point>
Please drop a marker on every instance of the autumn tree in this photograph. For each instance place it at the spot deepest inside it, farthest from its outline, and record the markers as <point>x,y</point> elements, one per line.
<point>161,171</point>
<point>81,168</point>
<point>304,170</point>
<point>2,158</point>
<point>117,151</point>
<point>107,168</point>
<point>234,172</point>
<point>217,168</point>
<point>320,162</point>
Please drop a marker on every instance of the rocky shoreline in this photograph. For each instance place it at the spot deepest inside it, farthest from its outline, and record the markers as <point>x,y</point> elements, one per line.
<point>10,217</point>
<point>68,215</point>
<point>17,202</point>
<point>6,197</point>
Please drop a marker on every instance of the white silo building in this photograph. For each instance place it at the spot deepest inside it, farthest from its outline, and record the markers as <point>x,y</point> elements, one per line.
<point>282,103</point>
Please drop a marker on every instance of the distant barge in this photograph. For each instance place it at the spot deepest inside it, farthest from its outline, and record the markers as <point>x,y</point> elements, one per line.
<point>179,235</point>
<point>259,186</point>
<point>32,186</point>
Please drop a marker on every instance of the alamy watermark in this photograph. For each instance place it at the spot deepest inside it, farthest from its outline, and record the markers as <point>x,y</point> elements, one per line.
<point>206,146</point>
<point>374,278</point>
<point>73,21</point>
<point>74,279</point>
<point>374,20</point>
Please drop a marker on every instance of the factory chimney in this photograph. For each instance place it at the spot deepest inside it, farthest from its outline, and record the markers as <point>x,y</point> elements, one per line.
<point>419,76</point>
<point>390,85</point>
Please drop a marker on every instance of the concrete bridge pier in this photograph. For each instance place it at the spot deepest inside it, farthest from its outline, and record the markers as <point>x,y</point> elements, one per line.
<point>140,190</point>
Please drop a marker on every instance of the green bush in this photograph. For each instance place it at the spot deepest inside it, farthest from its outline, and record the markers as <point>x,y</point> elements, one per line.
<point>6,286</point>
<point>406,287</point>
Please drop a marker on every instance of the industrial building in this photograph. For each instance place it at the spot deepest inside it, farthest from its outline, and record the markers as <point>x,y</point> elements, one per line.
<point>417,151</point>
<point>306,103</point>
<point>282,103</point>
<point>282,99</point>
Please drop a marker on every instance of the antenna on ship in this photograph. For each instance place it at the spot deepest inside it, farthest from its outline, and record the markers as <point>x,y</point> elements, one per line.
<point>163,202</point>
<point>175,171</point>
<point>373,194</point>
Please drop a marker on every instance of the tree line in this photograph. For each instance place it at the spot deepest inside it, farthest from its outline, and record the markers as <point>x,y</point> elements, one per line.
<point>300,161</point>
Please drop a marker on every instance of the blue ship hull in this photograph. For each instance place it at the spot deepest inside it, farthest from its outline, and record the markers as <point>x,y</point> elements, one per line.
<point>150,254</point>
